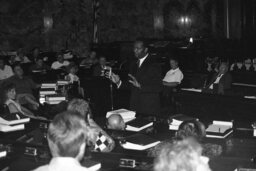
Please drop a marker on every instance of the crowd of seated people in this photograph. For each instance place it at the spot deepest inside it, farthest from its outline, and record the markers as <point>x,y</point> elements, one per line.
<point>243,66</point>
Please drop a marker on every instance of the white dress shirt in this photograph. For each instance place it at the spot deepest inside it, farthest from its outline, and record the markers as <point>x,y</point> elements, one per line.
<point>6,72</point>
<point>216,81</point>
<point>173,75</point>
<point>142,59</point>
<point>58,65</point>
<point>62,164</point>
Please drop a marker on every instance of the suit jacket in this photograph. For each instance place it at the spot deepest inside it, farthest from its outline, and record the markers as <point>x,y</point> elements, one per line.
<point>223,85</point>
<point>146,100</point>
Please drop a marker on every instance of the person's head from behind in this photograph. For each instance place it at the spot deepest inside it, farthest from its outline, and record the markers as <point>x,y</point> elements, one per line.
<point>67,135</point>
<point>60,57</point>
<point>102,60</point>
<point>223,68</point>
<point>72,68</point>
<point>18,70</point>
<point>182,155</point>
<point>92,54</point>
<point>7,92</point>
<point>191,129</point>
<point>140,48</point>
<point>20,53</point>
<point>40,62</point>
<point>80,106</point>
<point>35,51</point>
<point>115,122</point>
<point>174,63</point>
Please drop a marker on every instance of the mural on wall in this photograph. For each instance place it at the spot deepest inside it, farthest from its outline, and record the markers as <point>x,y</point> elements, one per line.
<point>58,24</point>
<point>23,24</point>
<point>128,19</point>
<point>124,20</point>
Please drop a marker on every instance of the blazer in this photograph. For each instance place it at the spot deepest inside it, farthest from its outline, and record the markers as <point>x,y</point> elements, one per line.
<point>146,100</point>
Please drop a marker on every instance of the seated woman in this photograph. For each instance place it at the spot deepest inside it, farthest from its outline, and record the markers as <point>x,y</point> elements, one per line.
<point>24,88</point>
<point>82,107</point>
<point>190,129</point>
<point>39,66</point>
<point>72,78</point>
<point>8,96</point>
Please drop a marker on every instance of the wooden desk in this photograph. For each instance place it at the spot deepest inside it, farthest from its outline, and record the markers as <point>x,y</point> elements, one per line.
<point>237,152</point>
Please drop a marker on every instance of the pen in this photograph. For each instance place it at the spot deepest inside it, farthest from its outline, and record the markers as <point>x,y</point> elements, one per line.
<point>17,116</point>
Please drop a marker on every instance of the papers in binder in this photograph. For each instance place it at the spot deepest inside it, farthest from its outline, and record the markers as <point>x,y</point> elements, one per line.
<point>219,129</point>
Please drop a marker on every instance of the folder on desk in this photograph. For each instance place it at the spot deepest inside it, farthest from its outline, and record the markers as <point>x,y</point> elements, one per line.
<point>139,142</point>
<point>8,128</point>
<point>138,125</point>
<point>13,119</point>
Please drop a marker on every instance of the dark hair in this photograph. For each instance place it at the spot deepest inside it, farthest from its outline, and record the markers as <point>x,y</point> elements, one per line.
<point>192,128</point>
<point>5,88</point>
<point>67,132</point>
<point>58,54</point>
<point>72,65</point>
<point>143,41</point>
<point>174,59</point>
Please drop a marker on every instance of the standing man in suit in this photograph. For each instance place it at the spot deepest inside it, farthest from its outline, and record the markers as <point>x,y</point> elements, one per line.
<point>145,80</point>
<point>221,81</point>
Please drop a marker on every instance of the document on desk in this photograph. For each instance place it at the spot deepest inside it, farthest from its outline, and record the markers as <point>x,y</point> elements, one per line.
<point>192,89</point>
<point>250,97</point>
<point>219,129</point>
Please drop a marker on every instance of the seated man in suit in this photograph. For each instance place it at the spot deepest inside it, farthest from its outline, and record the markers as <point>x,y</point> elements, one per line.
<point>221,81</point>
<point>67,137</point>
<point>115,122</point>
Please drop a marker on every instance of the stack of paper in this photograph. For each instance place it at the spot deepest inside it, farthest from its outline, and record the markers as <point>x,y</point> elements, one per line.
<point>62,82</point>
<point>13,122</point>
<point>127,115</point>
<point>54,99</point>
<point>219,129</point>
<point>48,85</point>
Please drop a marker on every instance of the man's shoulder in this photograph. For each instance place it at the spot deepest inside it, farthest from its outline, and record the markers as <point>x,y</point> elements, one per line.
<point>42,168</point>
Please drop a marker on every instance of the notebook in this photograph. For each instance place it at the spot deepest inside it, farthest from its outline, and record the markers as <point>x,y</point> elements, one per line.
<point>138,125</point>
